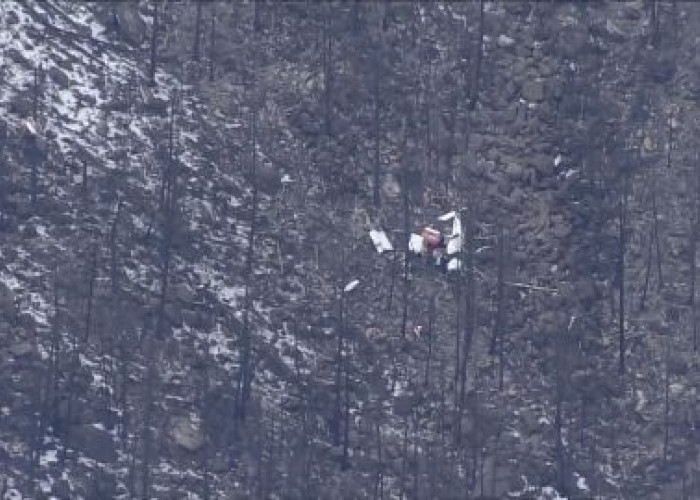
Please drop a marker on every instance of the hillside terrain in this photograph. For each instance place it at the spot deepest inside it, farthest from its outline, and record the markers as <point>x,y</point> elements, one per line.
<point>191,306</point>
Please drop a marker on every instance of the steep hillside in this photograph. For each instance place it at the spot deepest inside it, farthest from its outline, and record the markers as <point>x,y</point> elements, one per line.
<point>186,195</point>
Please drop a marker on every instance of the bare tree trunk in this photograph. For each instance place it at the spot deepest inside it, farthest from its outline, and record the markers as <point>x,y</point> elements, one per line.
<point>392,281</point>
<point>346,423</point>
<point>562,463</point>
<point>621,274</point>
<point>696,225</point>
<point>657,237</point>
<point>407,252</point>
<point>246,369</point>
<point>327,54</point>
<point>37,91</point>
<point>650,259</point>
<point>468,219</point>
<point>169,209</point>
<point>667,405</point>
<point>670,140</point>
<point>339,360</point>
<point>197,33</point>
<point>429,333</point>
<point>474,88</point>
<point>458,332</point>
<point>379,487</point>
<point>154,45</point>
<point>377,138</point>
<point>212,38</point>
<point>91,295</point>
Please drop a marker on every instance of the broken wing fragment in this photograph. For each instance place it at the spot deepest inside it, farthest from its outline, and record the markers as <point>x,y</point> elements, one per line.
<point>381,241</point>
<point>415,243</point>
<point>351,286</point>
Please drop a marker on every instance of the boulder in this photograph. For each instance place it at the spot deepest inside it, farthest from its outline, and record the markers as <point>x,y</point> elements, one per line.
<point>533,89</point>
<point>186,434</point>
<point>267,178</point>
<point>7,301</point>
<point>59,77</point>
<point>102,484</point>
<point>130,24</point>
<point>660,66</point>
<point>183,292</point>
<point>94,442</point>
<point>390,186</point>
<point>514,171</point>
<point>22,349</point>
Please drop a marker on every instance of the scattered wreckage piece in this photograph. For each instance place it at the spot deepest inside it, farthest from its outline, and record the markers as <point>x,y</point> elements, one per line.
<point>381,241</point>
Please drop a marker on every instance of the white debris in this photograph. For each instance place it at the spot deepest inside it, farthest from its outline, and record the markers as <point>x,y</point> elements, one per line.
<point>415,243</point>
<point>30,127</point>
<point>381,241</point>
<point>504,41</point>
<point>454,264</point>
<point>454,245</point>
<point>581,484</point>
<point>557,160</point>
<point>447,216</point>
<point>12,494</point>
<point>351,286</point>
<point>286,179</point>
<point>549,493</point>
<point>456,227</point>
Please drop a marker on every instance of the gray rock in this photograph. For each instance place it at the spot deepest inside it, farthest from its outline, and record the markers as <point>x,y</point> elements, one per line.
<point>22,349</point>
<point>533,89</point>
<point>661,67</point>
<point>131,26</point>
<point>61,489</point>
<point>183,292</point>
<point>59,77</point>
<point>93,442</point>
<point>561,228</point>
<point>186,434</point>
<point>390,186</point>
<point>102,484</point>
<point>155,106</point>
<point>7,301</point>
<point>267,179</point>
<point>514,171</point>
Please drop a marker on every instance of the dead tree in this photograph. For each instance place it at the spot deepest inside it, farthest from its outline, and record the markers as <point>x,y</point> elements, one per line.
<point>245,374</point>
<point>562,345</point>
<point>498,337</point>
<point>212,46</point>
<point>406,261</point>
<point>169,226</point>
<point>376,100</point>
<point>667,401</point>
<point>327,62</point>
<point>340,356</point>
<point>476,78</point>
<point>91,295</point>
<point>154,45</point>
<point>429,335</point>
<point>693,252</point>
<point>37,91</point>
<point>379,481</point>
<point>197,33</point>
<point>470,304</point>
<point>622,245</point>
